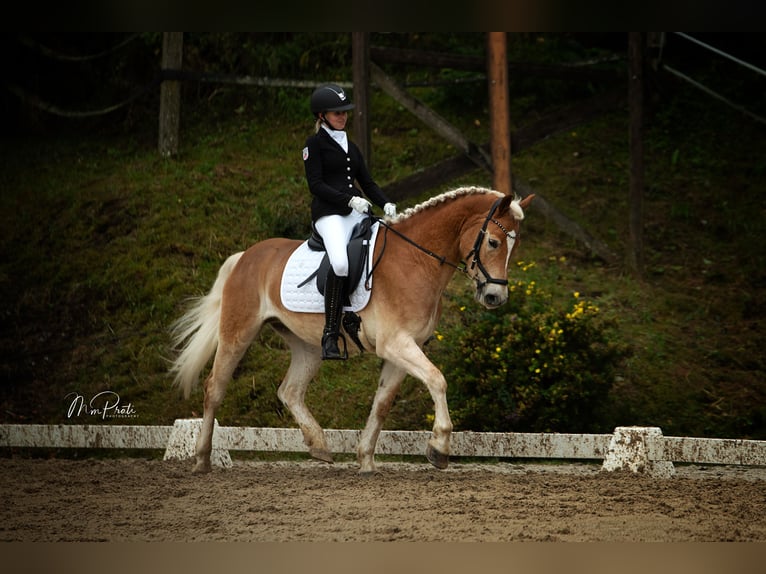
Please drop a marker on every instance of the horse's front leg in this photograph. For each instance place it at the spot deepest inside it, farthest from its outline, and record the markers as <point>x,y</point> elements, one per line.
<point>391,378</point>
<point>409,356</point>
<point>438,449</point>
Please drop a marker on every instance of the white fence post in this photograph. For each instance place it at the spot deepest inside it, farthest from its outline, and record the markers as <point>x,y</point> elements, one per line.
<point>183,438</point>
<point>636,449</point>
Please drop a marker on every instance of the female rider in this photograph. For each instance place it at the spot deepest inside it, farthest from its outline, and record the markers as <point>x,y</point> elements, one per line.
<point>333,163</point>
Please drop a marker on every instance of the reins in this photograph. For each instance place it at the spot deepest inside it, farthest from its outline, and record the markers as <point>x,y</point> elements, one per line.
<point>462,266</point>
<point>440,258</point>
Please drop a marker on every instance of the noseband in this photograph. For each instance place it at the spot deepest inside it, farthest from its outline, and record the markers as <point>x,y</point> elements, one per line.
<point>475,252</point>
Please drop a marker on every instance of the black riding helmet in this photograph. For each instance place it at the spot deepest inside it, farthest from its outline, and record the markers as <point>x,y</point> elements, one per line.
<point>329,98</point>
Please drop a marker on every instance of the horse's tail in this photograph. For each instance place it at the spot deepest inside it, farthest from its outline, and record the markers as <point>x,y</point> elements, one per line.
<point>195,334</point>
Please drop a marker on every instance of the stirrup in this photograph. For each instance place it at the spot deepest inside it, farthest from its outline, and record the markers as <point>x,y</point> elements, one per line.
<point>330,349</point>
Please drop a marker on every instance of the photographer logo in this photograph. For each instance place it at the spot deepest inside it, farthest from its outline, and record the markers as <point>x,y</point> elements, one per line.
<point>104,405</point>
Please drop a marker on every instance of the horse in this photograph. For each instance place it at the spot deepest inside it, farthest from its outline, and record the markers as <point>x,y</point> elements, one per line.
<point>474,230</point>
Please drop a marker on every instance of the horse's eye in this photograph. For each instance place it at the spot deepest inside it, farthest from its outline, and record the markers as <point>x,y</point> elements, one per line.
<point>493,243</point>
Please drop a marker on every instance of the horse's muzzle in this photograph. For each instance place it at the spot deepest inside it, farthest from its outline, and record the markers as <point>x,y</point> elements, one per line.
<point>492,296</point>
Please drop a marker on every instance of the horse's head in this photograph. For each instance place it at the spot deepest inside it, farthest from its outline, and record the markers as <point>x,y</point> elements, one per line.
<point>495,241</point>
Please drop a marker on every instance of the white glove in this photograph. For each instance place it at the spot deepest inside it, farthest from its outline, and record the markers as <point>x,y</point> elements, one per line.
<point>360,204</point>
<point>390,210</point>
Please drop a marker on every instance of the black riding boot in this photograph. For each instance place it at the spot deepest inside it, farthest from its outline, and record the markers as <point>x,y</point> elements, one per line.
<point>333,309</point>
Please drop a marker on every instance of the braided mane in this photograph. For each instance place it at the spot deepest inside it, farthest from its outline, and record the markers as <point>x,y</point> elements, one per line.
<point>453,194</point>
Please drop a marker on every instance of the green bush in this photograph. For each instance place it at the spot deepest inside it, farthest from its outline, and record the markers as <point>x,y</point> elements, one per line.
<point>530,366</point>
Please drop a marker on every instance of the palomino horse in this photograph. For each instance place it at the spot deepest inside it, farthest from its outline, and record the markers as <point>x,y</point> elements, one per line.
<point>414,262</point>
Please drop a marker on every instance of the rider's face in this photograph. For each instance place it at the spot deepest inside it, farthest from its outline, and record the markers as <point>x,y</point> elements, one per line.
<point>337,120</point>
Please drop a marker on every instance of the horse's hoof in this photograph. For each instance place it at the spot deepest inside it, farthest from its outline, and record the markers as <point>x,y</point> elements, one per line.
<point>437,458</point>
<point>321,454</point>
<point>369,473</point>
<point>201,468</point>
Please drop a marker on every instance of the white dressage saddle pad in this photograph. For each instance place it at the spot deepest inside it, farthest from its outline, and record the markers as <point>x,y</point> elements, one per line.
<point>307,299</point>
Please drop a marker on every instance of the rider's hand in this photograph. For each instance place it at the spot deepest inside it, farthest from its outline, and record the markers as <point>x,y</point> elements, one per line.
<point>390,210</point>
<point>360,204</point>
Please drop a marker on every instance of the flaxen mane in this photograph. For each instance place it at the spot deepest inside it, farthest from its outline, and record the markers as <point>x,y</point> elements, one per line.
<point>455,193</point>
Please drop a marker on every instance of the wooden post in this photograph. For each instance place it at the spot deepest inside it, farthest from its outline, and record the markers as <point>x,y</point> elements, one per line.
<point>636,49</point>
<point>170,94</point>
<point>360,46</point>
<point>500,133</point>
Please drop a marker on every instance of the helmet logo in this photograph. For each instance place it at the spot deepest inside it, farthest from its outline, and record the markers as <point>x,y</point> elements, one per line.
<point>341,94</point>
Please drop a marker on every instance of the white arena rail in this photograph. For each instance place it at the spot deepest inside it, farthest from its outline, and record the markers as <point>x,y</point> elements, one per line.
<point>637,449</point>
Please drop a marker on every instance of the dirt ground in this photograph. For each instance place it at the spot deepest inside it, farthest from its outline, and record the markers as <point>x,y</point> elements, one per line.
<point>131,499</point>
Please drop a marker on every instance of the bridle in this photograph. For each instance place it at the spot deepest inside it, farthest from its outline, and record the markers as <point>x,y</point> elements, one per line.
<point>474,252</point>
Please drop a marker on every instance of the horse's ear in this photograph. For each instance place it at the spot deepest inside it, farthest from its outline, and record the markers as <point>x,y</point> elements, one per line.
<point>505,204</point>
<point>526,201</point>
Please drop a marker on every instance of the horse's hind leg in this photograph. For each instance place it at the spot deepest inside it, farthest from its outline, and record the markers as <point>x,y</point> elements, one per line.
<point>305,361</point>
<point>391,378</point>
<point>227,358</point>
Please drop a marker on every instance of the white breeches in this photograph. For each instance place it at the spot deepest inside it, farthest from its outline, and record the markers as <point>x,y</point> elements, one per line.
<point>336,233</point>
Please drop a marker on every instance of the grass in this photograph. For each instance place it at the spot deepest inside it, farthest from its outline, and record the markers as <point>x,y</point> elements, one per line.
<point>103,242</point>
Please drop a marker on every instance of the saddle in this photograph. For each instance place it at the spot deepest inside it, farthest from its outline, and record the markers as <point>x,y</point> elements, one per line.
<point>358,257</point>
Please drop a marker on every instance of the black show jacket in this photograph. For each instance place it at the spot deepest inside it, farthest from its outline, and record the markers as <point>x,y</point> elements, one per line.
<point>331,172</point>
